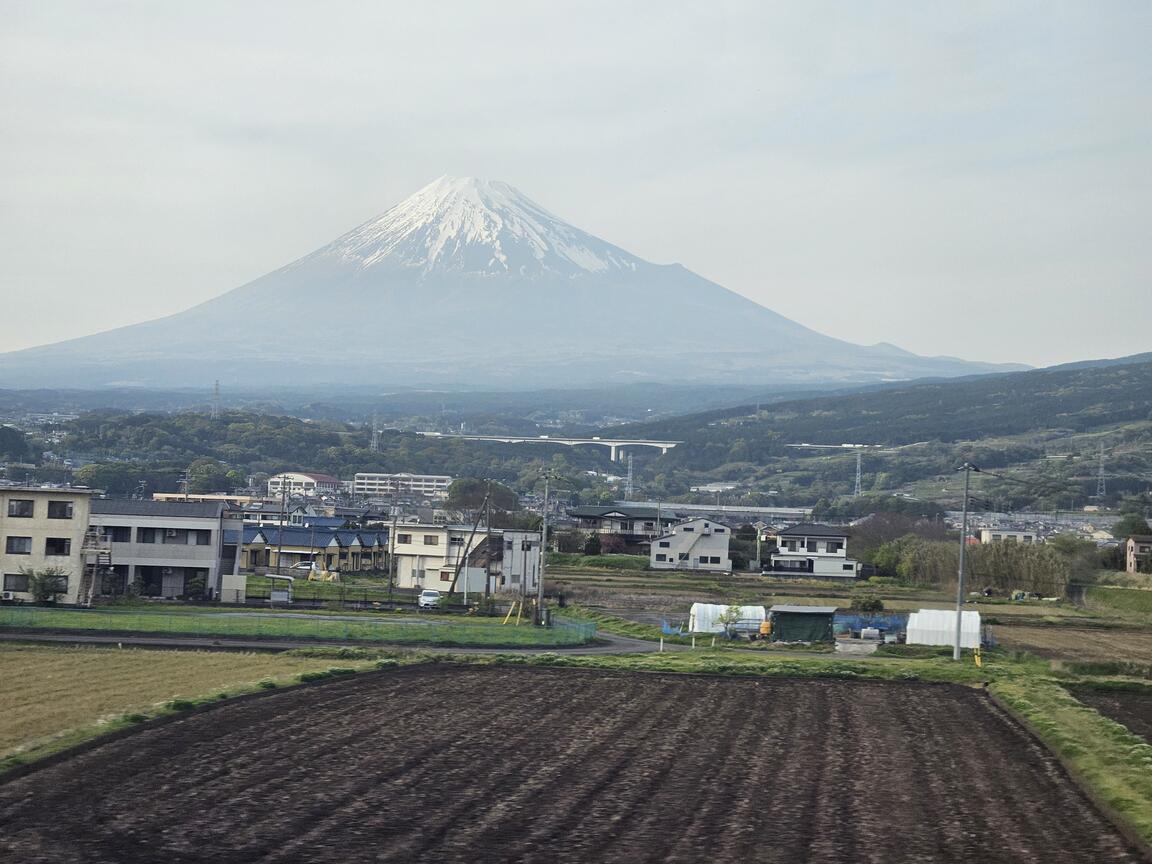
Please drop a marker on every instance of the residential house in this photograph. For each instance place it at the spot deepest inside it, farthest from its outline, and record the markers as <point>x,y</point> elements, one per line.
<point>272,548</point>
<point>812,550</point>
<point>636,526</point>
<point>40,529</point>
<point>698,544</point>
<point>1138,554</point>
<point>173,549</point>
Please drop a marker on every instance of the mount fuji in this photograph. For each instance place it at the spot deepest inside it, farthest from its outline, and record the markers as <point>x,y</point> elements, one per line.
<point>468,282</point>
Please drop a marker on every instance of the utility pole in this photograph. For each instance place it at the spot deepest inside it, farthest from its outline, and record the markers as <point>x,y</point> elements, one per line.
<point>488,542</point>
<point>543,556</point>
<point>967,469</point>
<point>392,547</point>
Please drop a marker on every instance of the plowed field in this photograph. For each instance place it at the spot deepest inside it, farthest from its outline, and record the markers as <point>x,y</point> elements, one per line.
<point>466,764</point>
<point>1133,708</point>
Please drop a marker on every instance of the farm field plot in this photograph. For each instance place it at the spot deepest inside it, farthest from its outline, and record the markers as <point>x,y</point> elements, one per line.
<point>1132,708</point>
<point>503,763</point>
<point>47,691</point>
<point>1084,644</point>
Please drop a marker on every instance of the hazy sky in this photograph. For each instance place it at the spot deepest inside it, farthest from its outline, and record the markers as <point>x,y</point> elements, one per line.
<point>966,178</point>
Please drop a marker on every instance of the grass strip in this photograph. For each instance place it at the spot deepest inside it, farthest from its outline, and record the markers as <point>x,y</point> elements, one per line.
<point>451,632</point>
<point>1111,763</point>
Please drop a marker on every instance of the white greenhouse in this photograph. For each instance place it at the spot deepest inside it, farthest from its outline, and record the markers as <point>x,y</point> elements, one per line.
<point>938,627</point>
<point>706,617</point>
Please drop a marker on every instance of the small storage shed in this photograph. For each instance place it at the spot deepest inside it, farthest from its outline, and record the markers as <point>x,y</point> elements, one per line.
<point>705,618</point>
<point>802,623</point>
<point>938,627</point>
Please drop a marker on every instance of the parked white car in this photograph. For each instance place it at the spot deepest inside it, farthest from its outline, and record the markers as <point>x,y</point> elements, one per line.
<point>429,599</point>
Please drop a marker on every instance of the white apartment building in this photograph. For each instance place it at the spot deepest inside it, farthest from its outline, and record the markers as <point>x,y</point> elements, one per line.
<point>166,548</point>
<point>427,556</point>
<point>1003,535</point>
<point>698,544</point>
<point>39,529</point>
<point>369,485</point>
<point>303,485</point>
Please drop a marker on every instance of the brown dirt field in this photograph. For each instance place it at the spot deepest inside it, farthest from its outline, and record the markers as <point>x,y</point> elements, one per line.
<point>1132,708</point>
<point>1083,644</point>
<point>485,764</point>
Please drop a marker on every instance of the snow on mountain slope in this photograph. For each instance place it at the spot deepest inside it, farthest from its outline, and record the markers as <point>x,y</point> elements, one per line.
<point>469,225</point>
<point>468,280</point>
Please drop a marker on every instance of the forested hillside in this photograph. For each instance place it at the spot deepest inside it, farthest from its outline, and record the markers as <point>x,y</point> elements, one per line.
<point>973,409</point>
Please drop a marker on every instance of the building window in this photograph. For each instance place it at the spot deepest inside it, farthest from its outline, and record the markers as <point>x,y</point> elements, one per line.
<point>116,534</point>
<point>508,545</point>
<point>715,559</point>
<point>811,546</point>
<point>431,540</point>
<point>203,537</point>
<point>454,541</point>
<point>59,509</point>
<point>848,567</point>
<point>834,546</point>
<point>664,544</point>
<point>445,575</point>
<point>660,556</point>
<point>18,546</point>
<point>15,581</point>
<point>683,556</point>
<point>719,530</point>
<point>20,508</point>
<point>688,529</point>
<point>703,559</point>
<point>403,538</point>
<point>147,535</point>
<point>57,546</point>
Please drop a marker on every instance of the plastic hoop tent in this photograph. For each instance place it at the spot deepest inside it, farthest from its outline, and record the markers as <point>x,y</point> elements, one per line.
<point>938,627</point>
<point>705,618</point>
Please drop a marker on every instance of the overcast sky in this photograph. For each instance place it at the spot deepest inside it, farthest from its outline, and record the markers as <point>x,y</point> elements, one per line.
<point>972,179</point>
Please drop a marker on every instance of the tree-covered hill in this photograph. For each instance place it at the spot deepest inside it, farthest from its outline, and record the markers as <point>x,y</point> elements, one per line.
<point>1074,400</point>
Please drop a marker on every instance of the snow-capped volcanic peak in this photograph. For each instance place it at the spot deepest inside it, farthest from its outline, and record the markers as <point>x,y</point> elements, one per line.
<point>477,226</point>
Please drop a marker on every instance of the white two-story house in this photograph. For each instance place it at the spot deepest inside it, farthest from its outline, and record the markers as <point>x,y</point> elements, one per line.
<point>811,550</point>
<point>698,544</point>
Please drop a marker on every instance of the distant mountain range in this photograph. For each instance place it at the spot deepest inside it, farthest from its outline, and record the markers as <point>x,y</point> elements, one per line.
<point>470,283</point>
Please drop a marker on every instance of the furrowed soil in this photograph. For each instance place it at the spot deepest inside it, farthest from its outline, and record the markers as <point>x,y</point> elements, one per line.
<point>451,763</point>
<point>1078,644</point>
<point>1132,708</point>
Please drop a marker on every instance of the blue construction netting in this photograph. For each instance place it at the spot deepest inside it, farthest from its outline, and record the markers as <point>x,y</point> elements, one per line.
<point>855,622</point>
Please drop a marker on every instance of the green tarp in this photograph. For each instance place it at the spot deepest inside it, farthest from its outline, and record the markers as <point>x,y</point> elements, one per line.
<point>802,627</point>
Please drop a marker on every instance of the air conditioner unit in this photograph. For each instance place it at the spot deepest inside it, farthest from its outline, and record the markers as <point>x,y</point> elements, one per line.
<point>169,532</point>
<point>8,595</point>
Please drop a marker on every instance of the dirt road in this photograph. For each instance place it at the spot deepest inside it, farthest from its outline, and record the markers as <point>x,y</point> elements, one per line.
<point>443,763</point>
